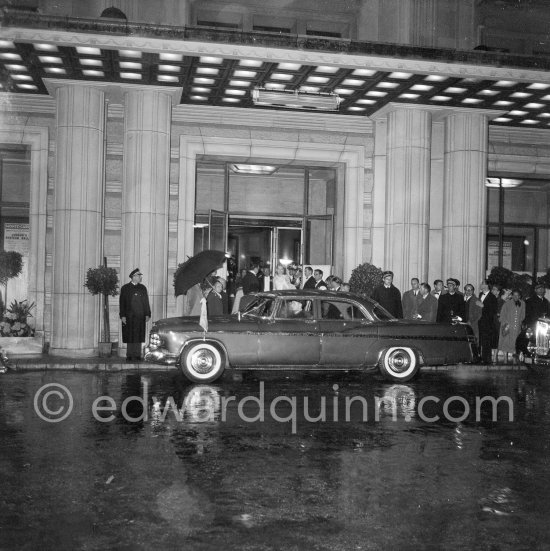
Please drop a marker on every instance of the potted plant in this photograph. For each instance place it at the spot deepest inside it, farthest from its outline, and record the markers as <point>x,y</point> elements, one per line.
<point>364,279</point>
<point>11,265</point>
<point>103,281</point>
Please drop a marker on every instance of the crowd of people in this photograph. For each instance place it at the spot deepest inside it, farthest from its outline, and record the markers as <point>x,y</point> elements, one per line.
<point>498,317</point>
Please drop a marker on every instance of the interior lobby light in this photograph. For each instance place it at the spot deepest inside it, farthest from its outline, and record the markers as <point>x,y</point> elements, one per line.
<point>504,182</point>
<point>293,99</point>
<point>285,262</point>
<point>253,169</point>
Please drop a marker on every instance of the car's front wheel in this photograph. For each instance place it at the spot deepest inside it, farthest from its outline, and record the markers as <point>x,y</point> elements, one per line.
<point>399,363</point>
<point>203,362</point>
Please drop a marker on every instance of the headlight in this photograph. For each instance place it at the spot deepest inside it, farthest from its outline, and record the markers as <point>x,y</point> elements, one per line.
<point>529,333</point>
<point>154,340</point>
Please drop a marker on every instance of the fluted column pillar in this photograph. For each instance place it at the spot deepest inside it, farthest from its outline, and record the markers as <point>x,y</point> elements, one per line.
<point>407,193</point>
<point>464,196</point>
<point>145,189</point>
<point>77,216</point>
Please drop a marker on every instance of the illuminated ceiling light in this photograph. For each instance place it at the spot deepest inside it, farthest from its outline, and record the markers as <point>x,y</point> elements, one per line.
<point>7,44</point>
<point>129,65</point>
<point>455,90</point>
<point>504,182</point>
<point>200,90</point>
<point>275,85</point>
<point>544,115</point>
<point>309,89</point>
<point>200,70</point>
<point>503,103</point>
<point>235,92</point>
<point>27,86</point>
<point>363,72</point>
<point>520,95</point>
<point>409,96</point>
<point>436,78</point>
<point>46,47</point>
<point>250,63</point>
<point>231,100</point>
<point>12,57</point>
<point>92,73</point>
<point>169,68</point>
<point>87,50</point>
<point>244,74</point>
<point>211,60</point>
<point>252,169</point>
<point>376,93</point>
<point>388,85</point>
<point>296,100</point>
<point>11,67</point>
<point>502,119</point>
<point>400,75</point>
<point>55,70</point>
<point>441,98</point>
<point>281,76</point>
<point>170,57</point>
<point>355,108</point>
<point>317,80</point>
<point>21,77</point>
<point>167,78</point>
<point>546,98</point>
<point>505,83</point>
<point>91,62</point>
<point>534,106</point>
<point>327,69</point>
<point>344,91</point>
<point>538,86</point>
<point>488,92</point>
<point>352,82</point>
<point>289,66</point>
<point>198,98</point>
<point>421,88</point>
<point>529,121</point>
<point>469,80</point>
<point>517,113</point>
<point>201,80</point>
<point>132,53</point>
<point>471,100</point>
<point>131,76</point>
<point>50,59</point>
<point>237,83</point>
<point>366,101</point>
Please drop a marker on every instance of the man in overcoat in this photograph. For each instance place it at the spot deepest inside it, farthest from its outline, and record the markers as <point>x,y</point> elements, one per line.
<point>389,296</point>
<point>135,312</point>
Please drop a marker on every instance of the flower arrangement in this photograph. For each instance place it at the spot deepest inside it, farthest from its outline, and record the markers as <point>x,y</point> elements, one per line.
<point>364,279</point>
<point>14,323</point>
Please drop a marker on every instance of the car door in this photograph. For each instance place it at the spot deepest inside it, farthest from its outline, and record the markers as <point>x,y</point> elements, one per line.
<point>346,332</point>
<point>290,337</point>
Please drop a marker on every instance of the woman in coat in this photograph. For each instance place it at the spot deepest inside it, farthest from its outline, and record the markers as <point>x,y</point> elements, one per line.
<point>511,318</point>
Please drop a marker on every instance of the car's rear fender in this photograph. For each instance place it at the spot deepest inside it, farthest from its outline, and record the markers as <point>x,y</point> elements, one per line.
<point>209,340</point>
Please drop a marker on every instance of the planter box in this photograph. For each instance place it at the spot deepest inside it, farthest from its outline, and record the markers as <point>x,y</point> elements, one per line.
<point>23,345</point>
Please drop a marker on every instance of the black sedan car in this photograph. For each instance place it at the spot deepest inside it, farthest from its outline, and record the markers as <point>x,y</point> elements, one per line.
<point>308,330</point>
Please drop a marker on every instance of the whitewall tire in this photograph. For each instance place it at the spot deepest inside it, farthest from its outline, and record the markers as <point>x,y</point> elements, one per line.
<point>399,363</point>
<point>203,362</point>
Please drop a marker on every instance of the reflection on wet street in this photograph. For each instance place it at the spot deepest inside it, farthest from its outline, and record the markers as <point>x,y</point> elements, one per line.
<point>326,463</point>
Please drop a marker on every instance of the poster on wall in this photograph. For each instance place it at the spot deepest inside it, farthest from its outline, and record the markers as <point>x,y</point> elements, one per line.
<point>16,237</point>
<point>492,254</point>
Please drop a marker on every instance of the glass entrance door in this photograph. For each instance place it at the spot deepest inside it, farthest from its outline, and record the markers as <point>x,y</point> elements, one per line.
<point>287,246</point>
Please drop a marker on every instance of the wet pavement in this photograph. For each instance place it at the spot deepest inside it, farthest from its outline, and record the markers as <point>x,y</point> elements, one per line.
<point>337,463</point>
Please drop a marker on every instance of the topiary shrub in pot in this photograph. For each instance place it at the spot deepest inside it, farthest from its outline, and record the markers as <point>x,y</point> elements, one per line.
<point>11,265</point>
<point>103,281</point>
<point>364,279</point>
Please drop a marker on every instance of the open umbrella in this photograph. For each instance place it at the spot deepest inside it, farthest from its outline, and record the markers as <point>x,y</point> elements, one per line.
<point>195,269</point>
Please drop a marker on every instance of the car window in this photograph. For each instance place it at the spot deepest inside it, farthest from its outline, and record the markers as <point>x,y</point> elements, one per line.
<point>336,310</point>
<point>261,307</point>
<point>293,308</point>
<point>381,313</point>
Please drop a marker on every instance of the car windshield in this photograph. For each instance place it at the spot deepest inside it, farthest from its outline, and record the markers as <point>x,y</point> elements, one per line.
<point>261,307</point>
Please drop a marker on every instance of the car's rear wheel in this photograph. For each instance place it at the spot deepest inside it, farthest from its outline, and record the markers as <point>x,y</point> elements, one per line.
<point>203,362</point>
<point>399,363</point>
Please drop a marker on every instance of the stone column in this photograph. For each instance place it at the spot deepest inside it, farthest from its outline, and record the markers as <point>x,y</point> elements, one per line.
<point>464,196</point>
<point>145,189</point>
<point>77,216</point>
<point>407,193</point>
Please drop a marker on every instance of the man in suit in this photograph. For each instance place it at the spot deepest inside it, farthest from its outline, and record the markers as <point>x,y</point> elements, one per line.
<point>427,305</point>
<point>472,310</point>
<point>486,322</point>
<point>251,283</point>
<point>438,289</point>
<point>309,280</point>
<point>451,305</point>
<point>389,296</point>
<point>319,283</point>
<point>536,306</point>
<point>410,300</point>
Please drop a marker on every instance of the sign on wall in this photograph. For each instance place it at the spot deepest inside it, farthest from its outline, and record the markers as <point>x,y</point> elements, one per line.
<point>492,254</point>
<point>16,237</point>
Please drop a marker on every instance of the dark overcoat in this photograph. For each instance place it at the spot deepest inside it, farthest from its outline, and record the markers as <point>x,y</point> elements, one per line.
<point>450,305</point>
<point>134,306</point>
<point>390,299</point>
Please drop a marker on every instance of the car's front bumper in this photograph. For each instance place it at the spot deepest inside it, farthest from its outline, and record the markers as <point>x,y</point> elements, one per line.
<point>159,356</point>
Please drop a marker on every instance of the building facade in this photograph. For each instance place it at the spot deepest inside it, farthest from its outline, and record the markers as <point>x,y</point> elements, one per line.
<point>142,132</point>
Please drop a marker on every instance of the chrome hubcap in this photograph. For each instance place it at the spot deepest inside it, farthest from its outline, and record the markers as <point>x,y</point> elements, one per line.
<point>203,361</point>
<point>399,361</point>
